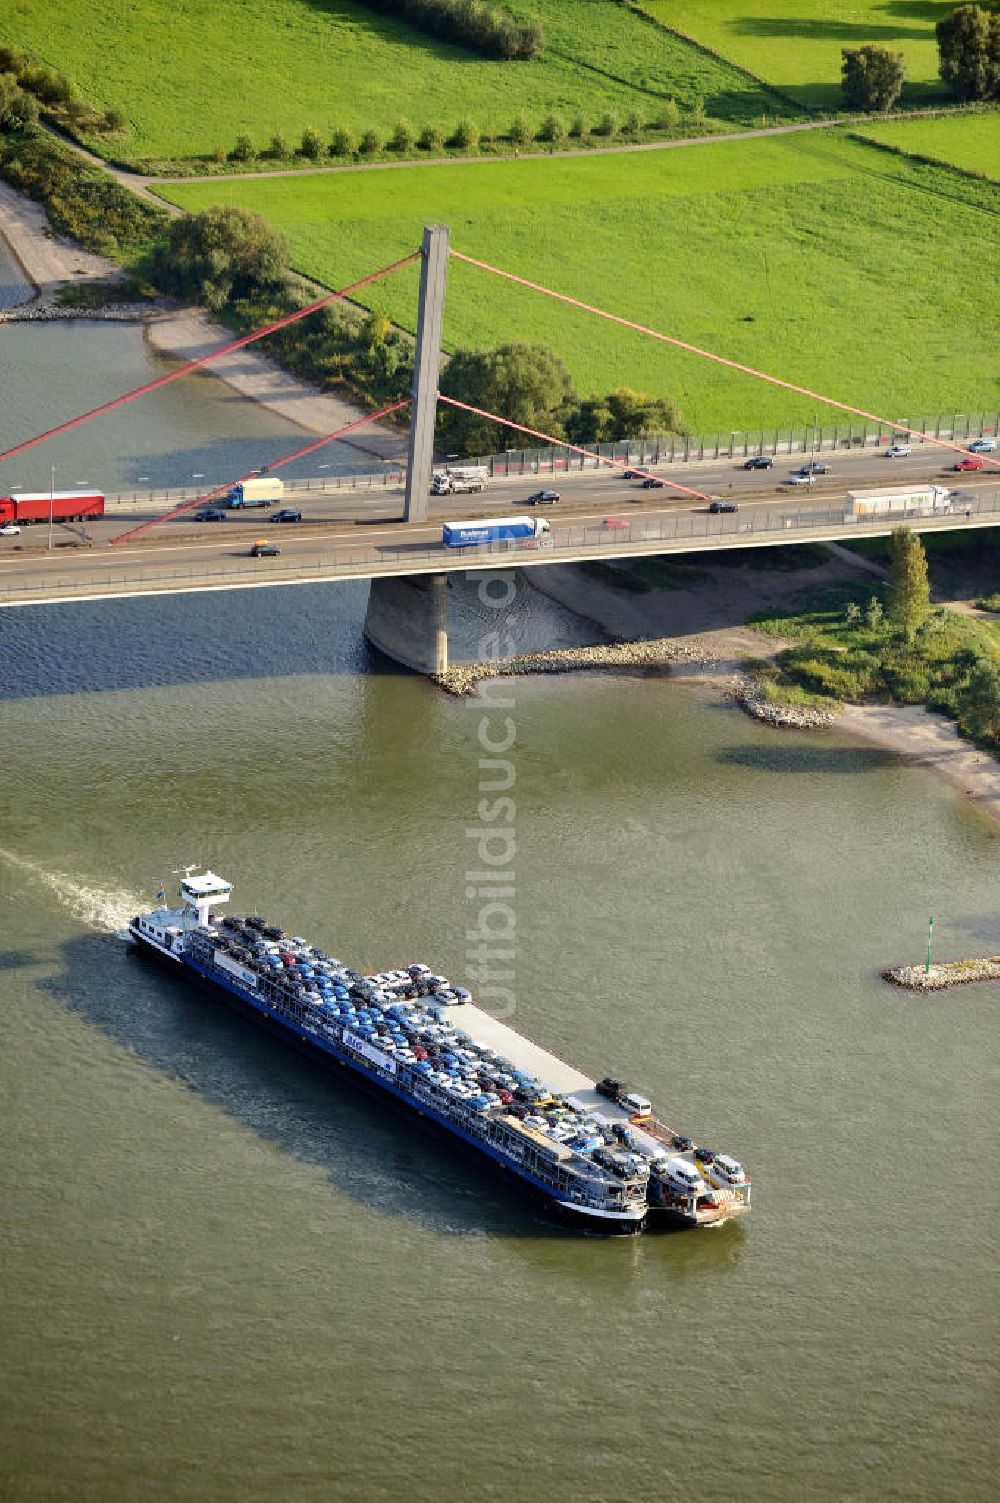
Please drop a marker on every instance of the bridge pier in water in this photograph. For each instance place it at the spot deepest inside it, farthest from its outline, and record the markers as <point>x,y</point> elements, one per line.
<point>407,619</point>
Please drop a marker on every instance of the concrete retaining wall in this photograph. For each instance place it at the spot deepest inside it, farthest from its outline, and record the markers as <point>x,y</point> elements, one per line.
<point>407,620</point>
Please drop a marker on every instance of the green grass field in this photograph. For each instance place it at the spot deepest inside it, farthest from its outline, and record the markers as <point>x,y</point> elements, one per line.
<point>830,262</point>
<point>191,76</point>
<point>971,142</point>
<point>796,45</point>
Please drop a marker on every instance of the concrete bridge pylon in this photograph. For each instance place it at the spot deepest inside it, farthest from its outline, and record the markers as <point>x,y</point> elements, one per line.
<point>426,370</point>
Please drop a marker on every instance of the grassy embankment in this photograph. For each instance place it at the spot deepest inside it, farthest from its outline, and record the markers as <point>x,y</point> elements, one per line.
<point>969,142</point>
<point>833,263</point>
<point>845,649</point>
<point>796,46</point>
<point>84,203</point>
<point>191,77</point>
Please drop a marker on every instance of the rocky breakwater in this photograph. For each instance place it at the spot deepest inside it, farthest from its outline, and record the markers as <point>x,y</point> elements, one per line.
<point>747,693</point>
<point>945,973</point>
<point>47,311</point>
<point>660,653</point>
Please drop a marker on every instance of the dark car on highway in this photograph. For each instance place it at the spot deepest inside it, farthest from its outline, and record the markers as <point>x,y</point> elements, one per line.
<point>719,504</point>
<point>652,484</point>
<point>209,514</point>
<point>814,467</point>
<point>287,514</point>
<point>264,548</point>
<point>758,462</point>
<point>543,498</point>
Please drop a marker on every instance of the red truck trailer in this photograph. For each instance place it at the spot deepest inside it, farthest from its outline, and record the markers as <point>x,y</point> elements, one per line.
<point>65,506</point>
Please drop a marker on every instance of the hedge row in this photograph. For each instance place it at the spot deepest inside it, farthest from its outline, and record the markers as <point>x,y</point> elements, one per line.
<point>469,23</point>
<point>466,136</point>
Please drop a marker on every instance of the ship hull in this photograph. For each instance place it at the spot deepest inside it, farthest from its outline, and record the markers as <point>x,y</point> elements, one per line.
<point>593,1222</point>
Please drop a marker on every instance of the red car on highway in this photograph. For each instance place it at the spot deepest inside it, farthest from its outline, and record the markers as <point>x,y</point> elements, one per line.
<point>968,464</point>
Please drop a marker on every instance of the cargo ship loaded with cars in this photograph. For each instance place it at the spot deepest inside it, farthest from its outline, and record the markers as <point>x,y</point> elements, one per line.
<point>593,1153</point>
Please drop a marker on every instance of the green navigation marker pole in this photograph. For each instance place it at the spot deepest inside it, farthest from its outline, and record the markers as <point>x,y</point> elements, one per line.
<point>930,936</point>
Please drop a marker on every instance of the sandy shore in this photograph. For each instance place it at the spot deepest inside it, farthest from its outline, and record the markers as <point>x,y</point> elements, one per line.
<point>188,333</point>
<point>47,260</point>
<point>705,627</point>
<point>931,741</point>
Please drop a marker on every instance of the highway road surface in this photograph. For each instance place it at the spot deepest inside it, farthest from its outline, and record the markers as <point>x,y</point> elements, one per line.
<point>358,534</point>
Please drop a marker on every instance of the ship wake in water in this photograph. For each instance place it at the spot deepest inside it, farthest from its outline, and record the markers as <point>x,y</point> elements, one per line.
<point>102,908</point>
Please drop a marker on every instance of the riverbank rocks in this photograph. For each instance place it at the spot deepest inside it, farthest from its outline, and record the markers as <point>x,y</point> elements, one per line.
<point>746,692</point>
<point>39,312</point>
<point>945,973</point>
<point>661,652</point>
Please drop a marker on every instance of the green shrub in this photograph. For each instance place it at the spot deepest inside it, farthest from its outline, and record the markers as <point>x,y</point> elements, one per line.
<point>668,116</point>
<point>278,149</point>
<point>312,145</point>
<point>402,136</point>
<point>470,23</point>
<point>76,111</point>
<point>430,139</point>
<point>520,132</point>
<point>18,108</point>
<point>909,685</point>
<point>824,672</point>
<point>370,143</point>
<point>466,136</point>
<point>244,150</point>
<point>633,124</point>
<point>607,125</point>
<point>220,256</point>
<point>579,129</point>
<point>341,143</point>
<point>553,129</point>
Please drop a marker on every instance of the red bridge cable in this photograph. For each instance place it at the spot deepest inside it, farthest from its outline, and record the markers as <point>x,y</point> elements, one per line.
<point>193,365</point>
<point>561,442</point>
<point>735,365</point>
<point>220,490</point>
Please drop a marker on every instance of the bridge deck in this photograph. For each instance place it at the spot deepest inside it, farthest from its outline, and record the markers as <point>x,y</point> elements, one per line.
<point>201,565</point>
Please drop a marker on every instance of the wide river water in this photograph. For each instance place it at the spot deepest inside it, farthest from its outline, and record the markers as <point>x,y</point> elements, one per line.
<point>227,1276</point>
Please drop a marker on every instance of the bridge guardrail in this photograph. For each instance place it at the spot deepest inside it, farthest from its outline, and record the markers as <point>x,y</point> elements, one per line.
<point>367,480</point>
<point>654,451</point>
<point>809,438</point>
<point>728,527</point>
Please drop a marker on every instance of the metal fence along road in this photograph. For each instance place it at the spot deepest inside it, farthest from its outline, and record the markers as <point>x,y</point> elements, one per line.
<point>810,438</point>
<point>642,452</point>
<point>695,532</point>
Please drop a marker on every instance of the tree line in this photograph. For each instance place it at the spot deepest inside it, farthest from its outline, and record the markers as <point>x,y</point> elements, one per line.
<point>554,130</point>
<point>469,23</point>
